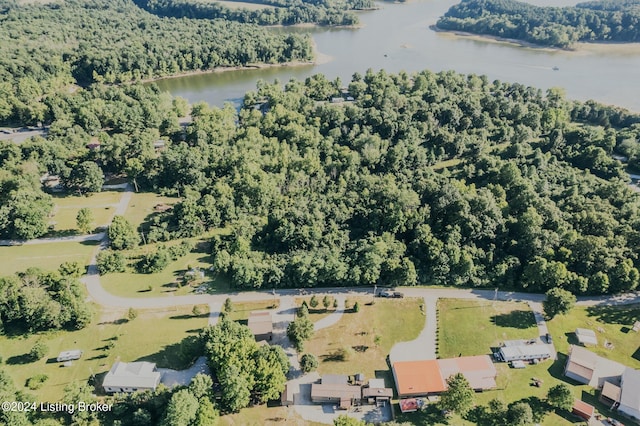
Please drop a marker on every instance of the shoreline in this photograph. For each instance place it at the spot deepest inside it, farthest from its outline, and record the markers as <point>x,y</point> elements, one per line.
<point>319,58</point>
<point>579,47</point>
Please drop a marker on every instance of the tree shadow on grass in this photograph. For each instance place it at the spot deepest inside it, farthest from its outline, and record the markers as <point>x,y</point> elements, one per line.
<point>177,356</point>
<point>431,415</point>
<point>189,316</point>
<point>623,315</point>
<point>19,359</point>
<point>515,319</point>
<point>636,354</point>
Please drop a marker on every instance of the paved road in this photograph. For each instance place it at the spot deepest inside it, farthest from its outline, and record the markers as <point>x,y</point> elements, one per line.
<point>19,136</point>
<point>333,317</point>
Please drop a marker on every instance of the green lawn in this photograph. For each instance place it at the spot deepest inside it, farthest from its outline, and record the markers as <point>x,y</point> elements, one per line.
<point>143,204</point>
<point>66,207</point>
<point>164,283</point>
<point>242,310</point>
<point>263,415</point>
<point>45,256</point>
<point>470,327</point>
<point>358,330</point>
<point>319,312</point>
<point>611,324</point>
<point>153,336</point>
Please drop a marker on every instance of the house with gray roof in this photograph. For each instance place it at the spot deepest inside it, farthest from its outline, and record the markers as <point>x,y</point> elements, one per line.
<point>131,377</point>
<point>630,393</point>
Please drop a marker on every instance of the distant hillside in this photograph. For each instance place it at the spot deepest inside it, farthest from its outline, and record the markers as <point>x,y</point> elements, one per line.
<point>598,21</point>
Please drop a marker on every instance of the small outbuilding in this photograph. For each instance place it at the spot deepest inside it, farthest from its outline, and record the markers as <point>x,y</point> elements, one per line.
<point>586,336</point>
<point>610,394</point>
<point>583,410</point>
<point>590,369</point>
<point>261,325</point>
<point>71,355</point>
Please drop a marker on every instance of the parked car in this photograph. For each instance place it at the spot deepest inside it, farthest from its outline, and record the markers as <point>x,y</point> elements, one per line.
<point>397,295</point>
<point>385,293</point>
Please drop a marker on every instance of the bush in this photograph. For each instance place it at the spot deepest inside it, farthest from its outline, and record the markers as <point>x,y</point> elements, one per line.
<point>132,314</point>
<point>313,302</point>
<point>155,262</point>
<point>38,351</point>
<point>308,363</point>
<point>356,307</point>
<point>344,353</point>
<point>36,382</point>
<point>110,261</point>
<point>176,252</point>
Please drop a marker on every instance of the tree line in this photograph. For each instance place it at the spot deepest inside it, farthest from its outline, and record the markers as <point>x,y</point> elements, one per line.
<point>596,21</point>
<point>429,178</point>
<point>274,12</point>
<point>46,47</point>
<point>36,300</point>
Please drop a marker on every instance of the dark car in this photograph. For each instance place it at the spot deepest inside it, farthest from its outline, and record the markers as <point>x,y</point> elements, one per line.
<point>397,295</point>
<point>385,294</point>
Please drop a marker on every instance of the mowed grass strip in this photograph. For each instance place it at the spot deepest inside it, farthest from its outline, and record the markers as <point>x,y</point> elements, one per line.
<point>319,312</point>
<point>66,208</point>
<point>611,324</point>
<point>45,256</point>
<point>368,335</point>
<point>470,327</point>
<point>143,204</point>
<point>153,336</point>
<point>241,310</point>
<point>263,415</point>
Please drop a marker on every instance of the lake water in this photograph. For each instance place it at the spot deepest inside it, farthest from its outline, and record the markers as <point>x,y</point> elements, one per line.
<point>397,37</point>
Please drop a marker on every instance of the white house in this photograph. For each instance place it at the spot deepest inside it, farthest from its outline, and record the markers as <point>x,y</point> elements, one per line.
<point>586,367</point>
<point>525,352</point>
<point>131,377</point>
<point>630,393</point>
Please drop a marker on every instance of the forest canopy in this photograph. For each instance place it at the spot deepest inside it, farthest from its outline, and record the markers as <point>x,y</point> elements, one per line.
<point>596,21</point>
<point>46,48</point>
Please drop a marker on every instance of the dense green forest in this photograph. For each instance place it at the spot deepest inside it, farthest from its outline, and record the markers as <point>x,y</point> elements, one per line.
<point>423,179</point>
<point>37,300</point>
<point>45,48</point>
<point>281,12</point>
<point>597,21</point>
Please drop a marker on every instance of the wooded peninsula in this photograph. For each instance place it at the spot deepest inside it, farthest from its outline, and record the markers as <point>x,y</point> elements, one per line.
<point>595,21</point>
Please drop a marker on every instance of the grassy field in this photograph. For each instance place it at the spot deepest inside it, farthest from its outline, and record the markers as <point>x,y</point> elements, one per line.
<point>319,312</point>
<point>481,325</point>
<point>153,336</point>
<point>242,310</point>
<point>473,327</point>
<point>143,204</point>
<point>612,324</point>
<point>369,335</point>
<point>44,256</point>
<point>163,283</point>
<point>263,415</point>
<point>101,204</point>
